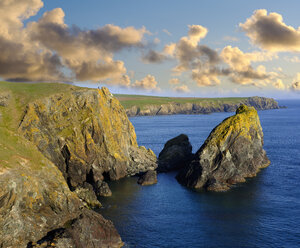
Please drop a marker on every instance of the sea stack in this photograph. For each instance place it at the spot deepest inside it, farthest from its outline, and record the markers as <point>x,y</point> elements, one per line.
<point>177,153</point>
<point>232,152</point>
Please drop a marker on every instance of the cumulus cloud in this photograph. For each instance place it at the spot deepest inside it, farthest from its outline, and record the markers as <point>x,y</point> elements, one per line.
<point>241,70</point>
<point>270,32</point>
<point>43,49</point>
<point>279,85</point>
<point>148,83</point>
<point>174,81</point>
<point>295,86</point>
<point>154,57</point>
<point>182,89</point>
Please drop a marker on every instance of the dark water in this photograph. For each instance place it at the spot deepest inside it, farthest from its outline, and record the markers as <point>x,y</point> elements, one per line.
<point>263,212</point>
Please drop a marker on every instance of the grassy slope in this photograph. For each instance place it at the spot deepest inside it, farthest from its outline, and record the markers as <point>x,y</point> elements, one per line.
<point>141,101</point>
<point>21,95</point>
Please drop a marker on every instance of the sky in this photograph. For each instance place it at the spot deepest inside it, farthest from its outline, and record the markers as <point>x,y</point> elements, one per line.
<point>170,48</point>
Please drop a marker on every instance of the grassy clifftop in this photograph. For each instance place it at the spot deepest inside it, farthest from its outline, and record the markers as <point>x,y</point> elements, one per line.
<point>142,101</point>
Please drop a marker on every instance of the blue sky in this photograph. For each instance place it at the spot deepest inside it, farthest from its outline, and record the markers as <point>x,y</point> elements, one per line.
<point>269,68</point>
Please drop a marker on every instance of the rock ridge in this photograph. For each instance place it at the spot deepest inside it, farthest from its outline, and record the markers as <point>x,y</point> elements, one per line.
<point>232,152</point>
<point>259,103</point>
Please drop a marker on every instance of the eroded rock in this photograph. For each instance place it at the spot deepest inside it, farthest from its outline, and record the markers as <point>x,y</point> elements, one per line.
<point>232,152</point>
<point>148,178</point>
<point>177,153</point>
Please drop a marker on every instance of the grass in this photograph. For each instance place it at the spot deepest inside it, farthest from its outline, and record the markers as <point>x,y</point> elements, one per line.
<point>141,101</point>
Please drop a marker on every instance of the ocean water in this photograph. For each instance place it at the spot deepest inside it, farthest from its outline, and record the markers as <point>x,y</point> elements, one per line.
<point>263,212</point>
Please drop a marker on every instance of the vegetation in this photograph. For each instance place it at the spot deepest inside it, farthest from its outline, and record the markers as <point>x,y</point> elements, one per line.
<point>141,101</point>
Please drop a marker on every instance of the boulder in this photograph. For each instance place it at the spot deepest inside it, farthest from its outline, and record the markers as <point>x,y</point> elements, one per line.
<point>176,154</point>
<point>148,178</point>
<point>232,152</point>
<point>102,189</point>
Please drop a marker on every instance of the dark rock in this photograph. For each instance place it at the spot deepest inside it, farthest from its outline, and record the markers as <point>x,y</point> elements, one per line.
<point>87,195</point>
<point>149,178</point>
<point>102,189</point>
<point>89,230</point>
<point>232,152</point>
<point>176,154</point>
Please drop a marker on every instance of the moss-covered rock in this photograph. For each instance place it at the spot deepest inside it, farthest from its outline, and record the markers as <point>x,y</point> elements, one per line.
<point>86,133</point>
<point>232,152</point>
<point>35,200</point>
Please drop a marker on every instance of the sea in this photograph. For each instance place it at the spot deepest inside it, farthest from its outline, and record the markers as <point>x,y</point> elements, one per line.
<point>264,212</point>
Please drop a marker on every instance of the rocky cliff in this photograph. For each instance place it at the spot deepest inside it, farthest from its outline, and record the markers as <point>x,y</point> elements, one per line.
<point>232,152</point>
<point>203,107</point>
<point>57,150</point>
<point>87,134</point>
<point>36,203</point>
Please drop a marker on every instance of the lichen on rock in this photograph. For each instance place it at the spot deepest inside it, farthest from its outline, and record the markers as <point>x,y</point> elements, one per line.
<point>232,152</point>
<point>86,133</point>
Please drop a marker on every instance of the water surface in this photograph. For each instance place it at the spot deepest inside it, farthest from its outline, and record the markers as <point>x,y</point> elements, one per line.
<point>263,212</point>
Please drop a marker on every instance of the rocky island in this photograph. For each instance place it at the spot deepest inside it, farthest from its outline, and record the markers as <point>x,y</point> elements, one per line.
<point>232,152</point>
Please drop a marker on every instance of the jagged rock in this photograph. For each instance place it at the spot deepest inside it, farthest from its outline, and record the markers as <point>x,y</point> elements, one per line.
<point>87,195</point>
<point>232,152</point>
<point>176,154</point>
<point>148,178</point>
<point>102,189</point>
<point>89,230</point>
<point>35,200</point>
<point>204,107</point>
<point>86,133</point>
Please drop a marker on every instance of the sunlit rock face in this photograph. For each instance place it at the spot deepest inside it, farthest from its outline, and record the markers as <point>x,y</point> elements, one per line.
<point>232,152</point>
<point>87,134</point>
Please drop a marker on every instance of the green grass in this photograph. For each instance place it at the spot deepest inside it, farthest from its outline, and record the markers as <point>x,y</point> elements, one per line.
<point>21,95</point>
<point>141,101</point>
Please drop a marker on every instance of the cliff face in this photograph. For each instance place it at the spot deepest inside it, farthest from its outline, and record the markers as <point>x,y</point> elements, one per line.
<point>232,152</point>
<point>35,200</point>
<point>86,133</point>
<point>259,103</point>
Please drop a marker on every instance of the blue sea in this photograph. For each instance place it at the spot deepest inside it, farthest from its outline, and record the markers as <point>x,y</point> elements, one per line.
<point>264,212</point>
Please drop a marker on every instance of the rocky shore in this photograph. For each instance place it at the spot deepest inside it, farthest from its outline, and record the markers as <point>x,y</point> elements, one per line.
<point>204,107</point>
<point>57,152</point>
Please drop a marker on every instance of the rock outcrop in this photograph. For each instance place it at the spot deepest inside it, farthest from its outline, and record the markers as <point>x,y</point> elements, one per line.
<point>35,201</point>
<point>232,152</point>
<point>148,178</point>
<point>204,107</point>
<point>86,133</point>
<point>177,153</point>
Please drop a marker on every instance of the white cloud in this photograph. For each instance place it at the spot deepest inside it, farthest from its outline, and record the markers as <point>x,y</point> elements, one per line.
<point>182,89</point>
<point>148,83</point>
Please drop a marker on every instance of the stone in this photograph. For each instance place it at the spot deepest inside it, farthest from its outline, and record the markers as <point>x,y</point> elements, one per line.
<point>87,135</point>
<point>148,178</point>
<point>232,152</point>
<point>102,189</point>
<point>176,154</point>
<point>36,202</point>
<point>87,195</point>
